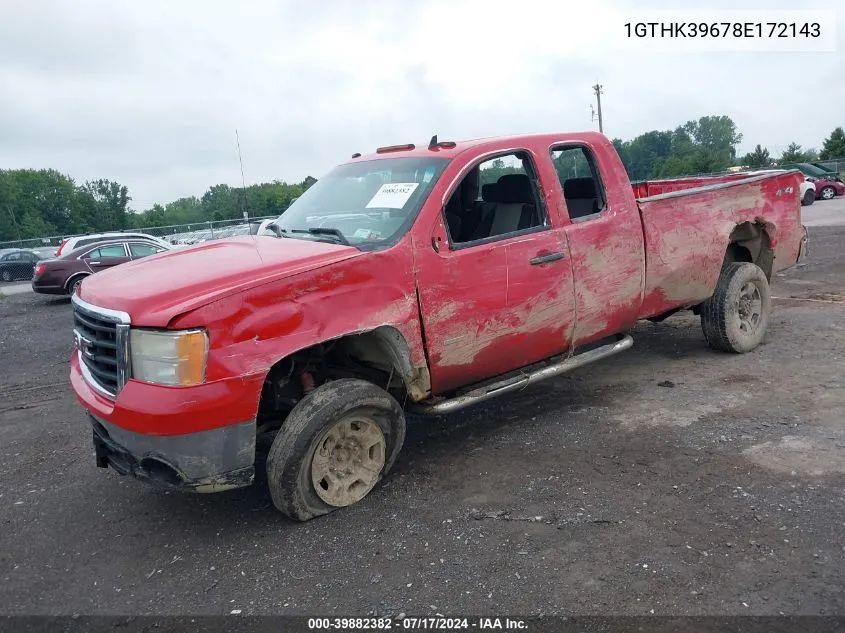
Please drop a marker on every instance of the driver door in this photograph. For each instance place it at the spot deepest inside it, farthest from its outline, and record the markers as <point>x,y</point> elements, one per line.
<point>494,279</point>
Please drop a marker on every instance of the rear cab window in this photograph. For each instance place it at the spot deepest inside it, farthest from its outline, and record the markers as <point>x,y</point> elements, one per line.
<point>580,181</point>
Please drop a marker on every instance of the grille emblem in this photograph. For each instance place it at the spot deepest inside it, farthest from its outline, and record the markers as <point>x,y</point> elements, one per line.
<point>84,345</point>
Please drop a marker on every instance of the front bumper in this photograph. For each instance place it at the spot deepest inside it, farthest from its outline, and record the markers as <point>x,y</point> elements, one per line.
<point>208,461</point>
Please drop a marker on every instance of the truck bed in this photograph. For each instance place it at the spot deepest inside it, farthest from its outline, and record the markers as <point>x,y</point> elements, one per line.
<point>648,188</point>
<point>689,225</point>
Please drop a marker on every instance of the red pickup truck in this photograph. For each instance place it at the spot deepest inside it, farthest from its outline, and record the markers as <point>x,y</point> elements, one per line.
<point>417,278</point>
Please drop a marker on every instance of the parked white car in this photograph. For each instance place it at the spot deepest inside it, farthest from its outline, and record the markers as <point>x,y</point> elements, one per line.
<point>807,188</point>
<point>72,243</point>
<point>808,193</point>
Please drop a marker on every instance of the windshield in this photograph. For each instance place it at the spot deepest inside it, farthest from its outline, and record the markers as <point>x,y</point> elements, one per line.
<point>367,203</point>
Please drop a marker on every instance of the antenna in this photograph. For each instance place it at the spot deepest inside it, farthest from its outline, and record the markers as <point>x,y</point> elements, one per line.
<point>243,180</point>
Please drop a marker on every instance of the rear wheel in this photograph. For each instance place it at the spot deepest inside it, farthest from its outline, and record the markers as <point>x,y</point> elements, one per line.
<point>828,193</point>
<point>74,284</point>
<point>809,198</point>
<point>334,447</point>
<point>735,318</point>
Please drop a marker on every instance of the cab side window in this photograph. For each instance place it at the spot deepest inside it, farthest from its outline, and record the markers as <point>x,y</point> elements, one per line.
<point>497,199</point>
<point>580,181</point>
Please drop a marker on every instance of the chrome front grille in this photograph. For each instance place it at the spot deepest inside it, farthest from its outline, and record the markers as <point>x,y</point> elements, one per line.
<point>101,337</point>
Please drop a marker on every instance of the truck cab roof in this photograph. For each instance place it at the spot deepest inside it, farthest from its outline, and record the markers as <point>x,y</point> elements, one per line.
<point>450,149</point>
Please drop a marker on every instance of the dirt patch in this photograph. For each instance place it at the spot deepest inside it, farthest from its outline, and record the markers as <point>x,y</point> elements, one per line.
<point>663,479</point>
<point>655,413</point>
<point>795,454</point>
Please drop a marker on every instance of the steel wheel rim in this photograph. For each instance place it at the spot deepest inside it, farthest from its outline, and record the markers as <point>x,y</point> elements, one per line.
<point>749,306</point>
<point>348,460</point>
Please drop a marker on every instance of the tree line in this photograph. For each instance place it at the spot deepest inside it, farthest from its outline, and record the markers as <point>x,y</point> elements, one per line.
<point>45,202</point>
<point>709,145</point>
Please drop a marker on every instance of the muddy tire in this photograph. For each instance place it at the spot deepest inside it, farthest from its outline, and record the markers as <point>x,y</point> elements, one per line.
<point>334,447</point>
<point>809,198</point>
<point>735,318</point>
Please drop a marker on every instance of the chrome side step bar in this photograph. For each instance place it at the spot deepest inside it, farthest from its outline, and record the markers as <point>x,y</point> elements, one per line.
<point>521,381</point>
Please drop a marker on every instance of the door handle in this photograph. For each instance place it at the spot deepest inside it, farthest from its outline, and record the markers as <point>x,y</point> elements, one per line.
<point>94,263</point>
<point>545,259</point>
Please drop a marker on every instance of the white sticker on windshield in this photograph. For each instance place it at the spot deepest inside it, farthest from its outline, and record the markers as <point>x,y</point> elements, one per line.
<point>392,195</point>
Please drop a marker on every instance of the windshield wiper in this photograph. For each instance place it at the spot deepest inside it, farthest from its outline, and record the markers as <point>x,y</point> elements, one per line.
<point>323,231</point>
<point>277,230</point>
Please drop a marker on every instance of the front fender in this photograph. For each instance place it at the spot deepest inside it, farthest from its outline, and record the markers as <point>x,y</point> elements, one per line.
<point>253,330</point>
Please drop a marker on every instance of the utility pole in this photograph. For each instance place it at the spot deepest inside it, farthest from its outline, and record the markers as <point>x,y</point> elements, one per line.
<point>14,221</point>
<point>597,90</point>
<point>243,180</point>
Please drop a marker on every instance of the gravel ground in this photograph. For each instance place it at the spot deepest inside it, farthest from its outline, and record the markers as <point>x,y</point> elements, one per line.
<point>670,479</point>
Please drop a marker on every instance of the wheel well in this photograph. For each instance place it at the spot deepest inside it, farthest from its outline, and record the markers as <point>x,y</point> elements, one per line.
<point>749,242</point>
<point>70,280</point>
<point>380,356</point>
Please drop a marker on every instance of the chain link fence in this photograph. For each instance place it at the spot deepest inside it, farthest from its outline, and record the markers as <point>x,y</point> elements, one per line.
<point>836,165</point>
<point>178,234</point>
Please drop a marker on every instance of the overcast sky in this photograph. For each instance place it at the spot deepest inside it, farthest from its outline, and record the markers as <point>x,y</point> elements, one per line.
<point>149,93</point>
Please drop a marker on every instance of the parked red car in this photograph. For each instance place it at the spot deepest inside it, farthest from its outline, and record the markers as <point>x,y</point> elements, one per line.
<point>828,189</point>
<point>61,276</point>
<point>392,284</point>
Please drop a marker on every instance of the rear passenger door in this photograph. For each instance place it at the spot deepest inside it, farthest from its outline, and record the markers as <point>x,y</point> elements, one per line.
<point>105,257</point>
<point>605,240</point>
<point>495,282</point>
<point>31,259</point>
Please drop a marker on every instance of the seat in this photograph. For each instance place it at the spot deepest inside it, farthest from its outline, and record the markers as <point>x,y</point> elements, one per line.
<point>511,209</point>
<point>489,191</point>
<point>581,197</point>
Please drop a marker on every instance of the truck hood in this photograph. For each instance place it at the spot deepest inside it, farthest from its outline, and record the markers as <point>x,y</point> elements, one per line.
<point>155,289</point>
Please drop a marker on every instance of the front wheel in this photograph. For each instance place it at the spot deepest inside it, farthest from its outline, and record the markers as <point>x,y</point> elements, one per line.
<point>828,193</point>
<point>735,318</point>
<point>334,447</point>
<point>809,198</point>
<point>7,276</point>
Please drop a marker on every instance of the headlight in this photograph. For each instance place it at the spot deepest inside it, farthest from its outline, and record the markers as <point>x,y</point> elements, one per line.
<point>169,358</point>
